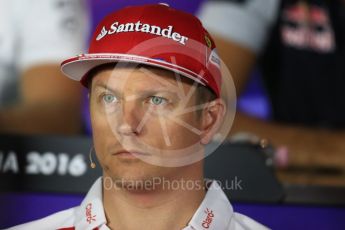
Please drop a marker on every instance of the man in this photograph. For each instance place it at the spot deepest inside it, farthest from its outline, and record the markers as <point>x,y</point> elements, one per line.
<point>35,35</point>
<point>146,65</point>
<point>300,44</point>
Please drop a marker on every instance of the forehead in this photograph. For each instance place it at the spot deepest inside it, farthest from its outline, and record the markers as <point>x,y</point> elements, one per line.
<point>143,77</point>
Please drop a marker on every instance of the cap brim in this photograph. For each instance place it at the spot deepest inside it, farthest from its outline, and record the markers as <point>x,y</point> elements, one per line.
<point>78,67</point>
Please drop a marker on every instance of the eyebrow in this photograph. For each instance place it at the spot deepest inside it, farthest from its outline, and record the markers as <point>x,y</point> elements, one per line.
<point>104,86</point>
<point>145,93</point>
<point>141,93</point>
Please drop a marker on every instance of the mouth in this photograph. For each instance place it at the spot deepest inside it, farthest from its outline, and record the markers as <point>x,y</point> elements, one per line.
<point>129,154</point>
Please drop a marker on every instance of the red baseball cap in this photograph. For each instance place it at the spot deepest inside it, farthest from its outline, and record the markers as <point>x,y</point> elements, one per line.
<point>155,35</point>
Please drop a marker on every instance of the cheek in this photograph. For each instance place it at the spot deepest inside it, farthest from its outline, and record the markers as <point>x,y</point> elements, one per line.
<point>182,136</point>
<point>97,135</point>
<point>100,131</point>
<point>99,119</point>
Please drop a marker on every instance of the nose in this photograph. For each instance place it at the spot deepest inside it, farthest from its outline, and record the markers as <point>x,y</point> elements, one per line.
<point>130,119</point>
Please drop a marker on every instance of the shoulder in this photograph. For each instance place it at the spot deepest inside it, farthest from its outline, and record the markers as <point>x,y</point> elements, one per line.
<point>246,22</point>
<point>62,219</point>
<point>222,214</point>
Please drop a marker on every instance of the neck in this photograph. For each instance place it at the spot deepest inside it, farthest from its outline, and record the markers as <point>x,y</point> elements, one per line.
<point>168,205</point>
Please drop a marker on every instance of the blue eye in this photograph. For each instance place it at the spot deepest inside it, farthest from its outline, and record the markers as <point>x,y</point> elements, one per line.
<point>158,100</point>
<point>109,98</point>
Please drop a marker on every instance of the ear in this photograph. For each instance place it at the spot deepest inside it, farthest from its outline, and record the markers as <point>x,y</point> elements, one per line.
<point>211,120</point>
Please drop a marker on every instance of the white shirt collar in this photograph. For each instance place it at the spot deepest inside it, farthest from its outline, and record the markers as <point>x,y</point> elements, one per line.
<point>214,212</point>
<point>90,214</point>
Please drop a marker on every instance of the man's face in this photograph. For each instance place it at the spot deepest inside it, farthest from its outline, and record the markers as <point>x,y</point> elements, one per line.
<point>143,111</point>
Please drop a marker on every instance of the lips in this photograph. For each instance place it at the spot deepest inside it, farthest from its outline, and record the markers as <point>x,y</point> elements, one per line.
<point>129,153</point>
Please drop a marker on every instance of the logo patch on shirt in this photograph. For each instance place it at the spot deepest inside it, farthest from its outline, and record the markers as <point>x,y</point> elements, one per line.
<point>308,27</point>
<point>209,218</point>
<point>88,211</point>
